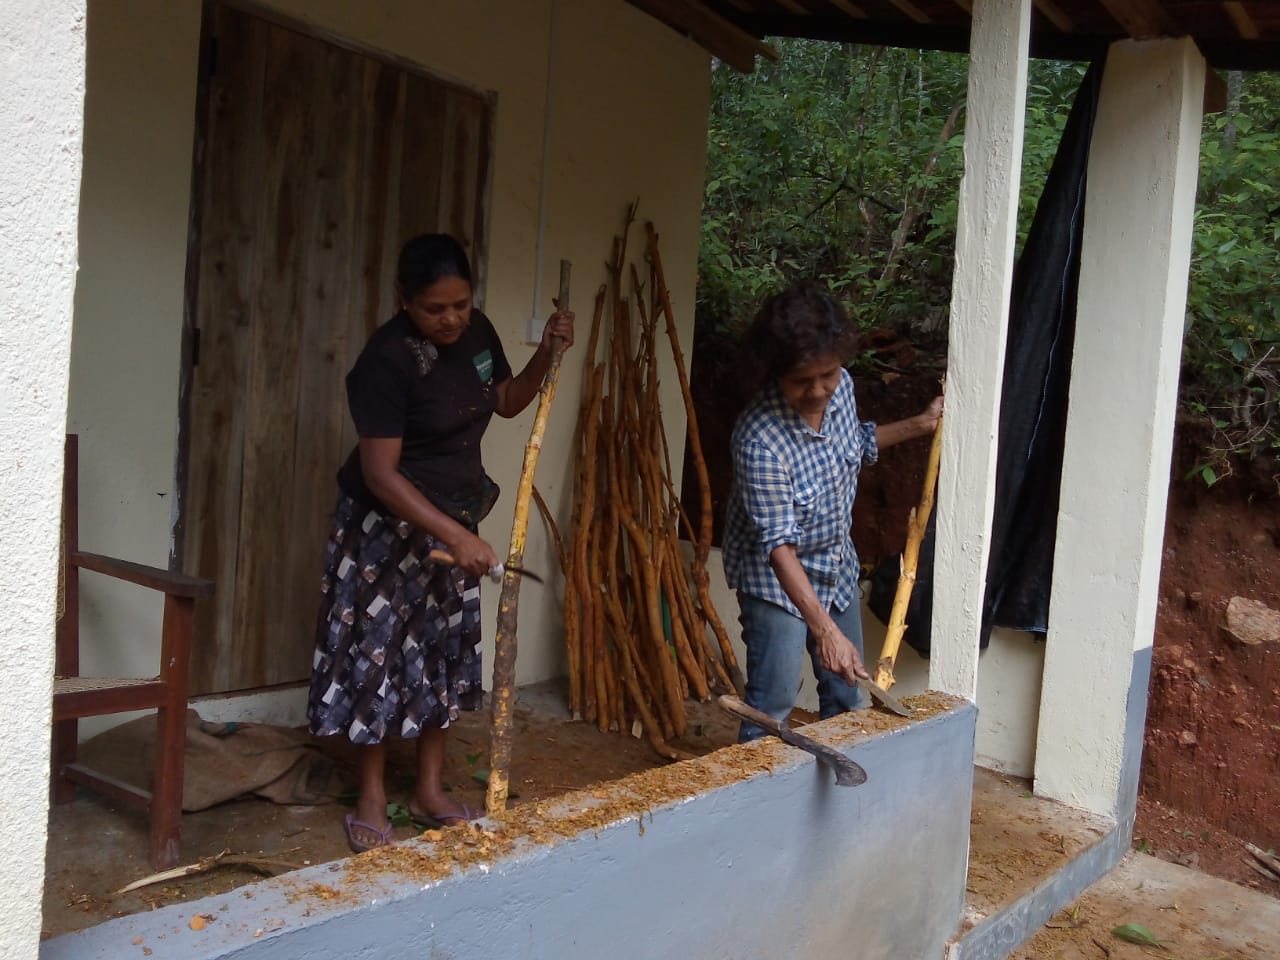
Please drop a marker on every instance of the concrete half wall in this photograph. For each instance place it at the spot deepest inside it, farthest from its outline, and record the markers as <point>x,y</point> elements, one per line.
<point>752,852</point>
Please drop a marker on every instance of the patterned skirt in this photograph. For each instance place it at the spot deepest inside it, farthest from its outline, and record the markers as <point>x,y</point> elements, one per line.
<point>397,635</point>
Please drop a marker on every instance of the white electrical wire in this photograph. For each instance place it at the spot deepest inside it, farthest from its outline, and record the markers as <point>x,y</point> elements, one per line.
<point>533,329</point>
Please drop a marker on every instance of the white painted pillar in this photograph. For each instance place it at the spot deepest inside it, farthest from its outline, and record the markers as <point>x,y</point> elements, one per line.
<point>41,127</point>
<point>1133,284</point>
<point>986,225</point>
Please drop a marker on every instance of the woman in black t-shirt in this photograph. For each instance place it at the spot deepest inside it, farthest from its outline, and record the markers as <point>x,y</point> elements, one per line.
<point>396,642</point>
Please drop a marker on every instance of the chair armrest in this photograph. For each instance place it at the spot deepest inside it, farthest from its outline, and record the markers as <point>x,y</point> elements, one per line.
<point>166,581</point>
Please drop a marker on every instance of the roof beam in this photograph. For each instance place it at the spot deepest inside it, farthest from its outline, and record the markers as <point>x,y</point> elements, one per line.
<point>1223,53</point>
<point>911,10</point>
<point>851,9</point>
<point>718,36</point>
<point>1053,13</point>
<point>1240,17</point>
<point>1141,19</point>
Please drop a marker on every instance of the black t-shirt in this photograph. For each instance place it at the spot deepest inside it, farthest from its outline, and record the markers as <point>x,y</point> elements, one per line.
<point>438,400</point>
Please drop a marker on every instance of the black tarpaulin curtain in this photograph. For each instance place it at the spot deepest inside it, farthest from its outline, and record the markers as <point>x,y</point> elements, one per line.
<point>1033,407</point>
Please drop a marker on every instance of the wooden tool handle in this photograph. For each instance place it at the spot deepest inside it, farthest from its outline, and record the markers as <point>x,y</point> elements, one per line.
<point>441,556</point>
<point>917,523</point>
<point>502,697</point>
<point>848,773</point>
<point>562,303</point>
<point>733,705</point>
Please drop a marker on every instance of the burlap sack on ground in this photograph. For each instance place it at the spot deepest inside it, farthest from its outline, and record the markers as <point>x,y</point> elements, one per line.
<point>225,761</point>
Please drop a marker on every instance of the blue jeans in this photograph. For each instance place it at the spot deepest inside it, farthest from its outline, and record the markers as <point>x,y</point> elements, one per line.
<point>776,642</point>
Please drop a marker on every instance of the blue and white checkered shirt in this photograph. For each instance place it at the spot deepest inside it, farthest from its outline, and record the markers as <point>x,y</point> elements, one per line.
<point>793,484</point>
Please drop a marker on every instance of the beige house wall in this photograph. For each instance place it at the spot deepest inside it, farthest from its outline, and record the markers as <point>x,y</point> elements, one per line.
<point>640,134</point>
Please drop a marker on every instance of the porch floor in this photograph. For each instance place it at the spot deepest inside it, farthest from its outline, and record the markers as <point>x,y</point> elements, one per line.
<point>1194,915</point>
<point>94,849</point>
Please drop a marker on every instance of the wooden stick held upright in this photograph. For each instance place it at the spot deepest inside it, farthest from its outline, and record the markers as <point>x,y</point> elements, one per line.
<point>916,525</point>
<point>504,659</point>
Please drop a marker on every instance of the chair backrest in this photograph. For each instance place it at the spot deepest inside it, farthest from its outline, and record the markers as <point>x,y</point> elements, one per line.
<point>67,636</point>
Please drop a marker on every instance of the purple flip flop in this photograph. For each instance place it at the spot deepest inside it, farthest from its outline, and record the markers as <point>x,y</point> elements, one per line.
<point>359,846</point>
<point>445,820</point>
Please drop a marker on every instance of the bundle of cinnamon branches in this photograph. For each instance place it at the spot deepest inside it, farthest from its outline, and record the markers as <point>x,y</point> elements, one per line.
<point>641,632</point>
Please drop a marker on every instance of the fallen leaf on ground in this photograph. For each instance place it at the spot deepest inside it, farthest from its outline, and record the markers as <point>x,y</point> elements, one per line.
<point>1136,933</point>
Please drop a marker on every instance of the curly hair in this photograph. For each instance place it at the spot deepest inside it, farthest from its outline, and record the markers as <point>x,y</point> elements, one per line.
<point>795,326</point>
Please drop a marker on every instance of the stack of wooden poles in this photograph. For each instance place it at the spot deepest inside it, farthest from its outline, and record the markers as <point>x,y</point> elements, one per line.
<point>641,632</point>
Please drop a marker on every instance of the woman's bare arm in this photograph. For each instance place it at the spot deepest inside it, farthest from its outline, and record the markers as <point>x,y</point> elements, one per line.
<point>516,393</point>
<point>921,425</point>
<point>835,650</point>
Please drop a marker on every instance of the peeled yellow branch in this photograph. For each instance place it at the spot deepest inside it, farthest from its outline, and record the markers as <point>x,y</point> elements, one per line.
<point>504,659</point>
<point>916,525</point>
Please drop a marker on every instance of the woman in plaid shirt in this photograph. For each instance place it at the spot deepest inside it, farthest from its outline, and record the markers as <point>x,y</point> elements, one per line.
<point>797,452</point>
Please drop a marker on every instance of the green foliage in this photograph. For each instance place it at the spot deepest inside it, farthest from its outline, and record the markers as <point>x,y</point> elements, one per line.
<point>838,163</point>
<point>1231,354</point>
<point>811,161</point>
<point>843,163</point>
<point>398,815</point>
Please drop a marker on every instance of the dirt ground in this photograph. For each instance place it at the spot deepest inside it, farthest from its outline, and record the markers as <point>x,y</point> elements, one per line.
<point>1211,762</point>
<point>1192,916</point>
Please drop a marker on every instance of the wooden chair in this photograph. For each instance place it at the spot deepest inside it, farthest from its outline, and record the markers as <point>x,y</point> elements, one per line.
<point>75,696</point>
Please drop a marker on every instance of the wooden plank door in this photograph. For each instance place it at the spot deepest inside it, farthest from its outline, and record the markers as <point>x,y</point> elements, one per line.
<point>318,162</point>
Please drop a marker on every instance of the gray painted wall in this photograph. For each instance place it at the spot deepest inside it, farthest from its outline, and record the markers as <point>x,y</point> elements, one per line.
<point>779,864</point>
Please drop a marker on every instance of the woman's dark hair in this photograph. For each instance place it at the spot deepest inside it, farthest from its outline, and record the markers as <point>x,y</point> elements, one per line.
<point>428,258</point>
<point>800,324</point>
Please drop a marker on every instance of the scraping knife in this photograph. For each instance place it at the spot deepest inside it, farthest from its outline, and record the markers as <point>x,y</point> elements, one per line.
<point>848,773</point>
<point>885,698</point>
<point>495,573</point>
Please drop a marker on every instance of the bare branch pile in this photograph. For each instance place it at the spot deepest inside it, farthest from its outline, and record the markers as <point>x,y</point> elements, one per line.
<point>641,632</point>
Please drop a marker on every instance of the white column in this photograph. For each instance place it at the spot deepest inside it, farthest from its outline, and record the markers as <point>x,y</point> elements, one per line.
<point>1133,284</point>
<point>41,127</point>
<point>986,224</point>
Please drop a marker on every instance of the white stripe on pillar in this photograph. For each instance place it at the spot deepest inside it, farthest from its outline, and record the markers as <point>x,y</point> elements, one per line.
<point>986,226</point>
<point>1139,212</point>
